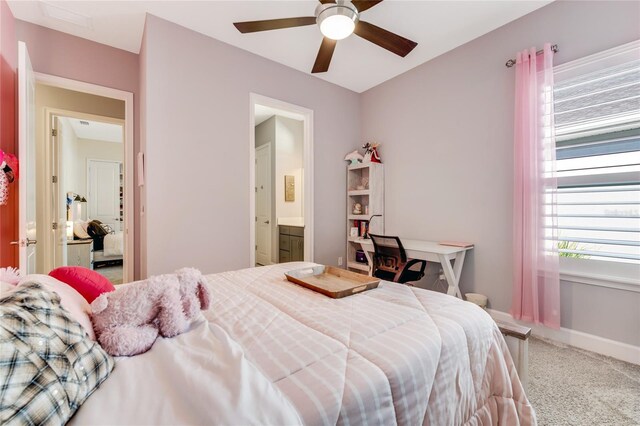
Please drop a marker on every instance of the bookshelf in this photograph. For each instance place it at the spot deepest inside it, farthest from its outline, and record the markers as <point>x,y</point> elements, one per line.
<point>365,185</point>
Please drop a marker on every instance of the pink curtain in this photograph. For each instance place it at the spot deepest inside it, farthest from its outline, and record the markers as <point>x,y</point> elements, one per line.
<point>536,284</point>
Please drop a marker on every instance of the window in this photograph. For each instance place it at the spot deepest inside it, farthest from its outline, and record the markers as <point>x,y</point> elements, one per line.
<point>597,124</point>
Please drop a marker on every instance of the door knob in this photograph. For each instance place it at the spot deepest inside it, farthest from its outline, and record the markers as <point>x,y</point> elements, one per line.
<point>22,243</point>
<point>267,222</point>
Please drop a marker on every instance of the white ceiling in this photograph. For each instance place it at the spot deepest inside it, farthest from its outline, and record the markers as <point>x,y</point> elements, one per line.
<point>437,26</point>
<point>263,113</point>
<point>95,130</point>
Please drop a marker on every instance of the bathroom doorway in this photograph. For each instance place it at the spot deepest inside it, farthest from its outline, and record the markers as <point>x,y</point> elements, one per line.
<point>281,177</point>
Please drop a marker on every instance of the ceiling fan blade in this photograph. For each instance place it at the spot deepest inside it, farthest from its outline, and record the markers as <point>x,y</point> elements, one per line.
<point>363,5</point>
<point>274,24</point>
<point>327,1</point>
<point>386,39</point>
<point>324,55</point>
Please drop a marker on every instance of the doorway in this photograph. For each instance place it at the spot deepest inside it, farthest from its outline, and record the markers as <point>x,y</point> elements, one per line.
<point>281,203</point>
<point>85,154</point>
<point>50,108</point>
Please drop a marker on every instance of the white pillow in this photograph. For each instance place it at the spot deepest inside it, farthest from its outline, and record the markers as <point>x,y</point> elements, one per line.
<point>80,229</point>
<point>70,299</point>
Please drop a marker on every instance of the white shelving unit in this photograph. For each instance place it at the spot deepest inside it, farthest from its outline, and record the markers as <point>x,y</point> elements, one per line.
<point>365,185</point>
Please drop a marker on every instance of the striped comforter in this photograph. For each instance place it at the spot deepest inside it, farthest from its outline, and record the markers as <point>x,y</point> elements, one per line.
<point>271,352</point>
<point>393,355</point>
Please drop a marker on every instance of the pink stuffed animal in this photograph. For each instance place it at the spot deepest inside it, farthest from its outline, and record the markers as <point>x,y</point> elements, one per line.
<point>127,321</point>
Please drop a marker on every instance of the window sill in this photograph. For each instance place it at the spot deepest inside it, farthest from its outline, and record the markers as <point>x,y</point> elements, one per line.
<point>619,276</point>
<point>618,283</point>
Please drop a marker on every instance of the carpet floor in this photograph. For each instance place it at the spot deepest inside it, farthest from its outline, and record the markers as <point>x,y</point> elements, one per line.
<point>571,386</point>
<point>113,273</point>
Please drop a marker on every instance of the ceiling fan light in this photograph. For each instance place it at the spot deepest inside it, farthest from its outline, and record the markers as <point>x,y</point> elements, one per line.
<point>337,20</point>
<point>337,27</point>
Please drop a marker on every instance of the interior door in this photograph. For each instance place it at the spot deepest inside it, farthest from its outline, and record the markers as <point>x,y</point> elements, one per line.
<point>263,204</point>
<point>104,192</point>
<point>59,197</point>
<point>26,157</point>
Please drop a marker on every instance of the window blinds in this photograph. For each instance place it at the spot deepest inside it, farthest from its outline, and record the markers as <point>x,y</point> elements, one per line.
<point>597,119</point>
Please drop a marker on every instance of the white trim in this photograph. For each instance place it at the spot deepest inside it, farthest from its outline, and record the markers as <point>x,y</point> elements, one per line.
<point>49,208</point>
<point>129,157</point>
<point>579,339</point>
<point>308,171</point>
<point>601,281</point>
<point>610,274</point>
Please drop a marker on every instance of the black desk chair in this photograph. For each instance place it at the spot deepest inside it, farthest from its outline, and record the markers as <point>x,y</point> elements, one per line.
<point>390,261</point>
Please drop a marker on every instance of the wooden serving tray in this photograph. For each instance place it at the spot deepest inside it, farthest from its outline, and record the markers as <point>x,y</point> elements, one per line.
<point>333,282</point>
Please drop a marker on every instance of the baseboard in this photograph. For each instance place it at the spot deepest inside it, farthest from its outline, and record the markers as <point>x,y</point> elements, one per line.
<point>579,339</point>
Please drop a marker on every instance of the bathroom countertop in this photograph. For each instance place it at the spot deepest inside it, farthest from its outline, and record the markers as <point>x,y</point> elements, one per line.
<point>291,221</point>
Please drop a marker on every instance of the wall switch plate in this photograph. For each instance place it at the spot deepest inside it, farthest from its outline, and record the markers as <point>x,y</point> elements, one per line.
<point>340,261</point>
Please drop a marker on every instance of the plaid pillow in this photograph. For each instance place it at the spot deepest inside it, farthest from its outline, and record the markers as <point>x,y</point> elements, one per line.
<point>48,365</point>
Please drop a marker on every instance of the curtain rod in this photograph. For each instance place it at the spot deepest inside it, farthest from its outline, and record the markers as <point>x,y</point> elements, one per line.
<point>512,62</point>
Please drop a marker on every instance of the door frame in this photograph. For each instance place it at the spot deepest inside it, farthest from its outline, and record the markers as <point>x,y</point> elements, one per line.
<point>129,156</point>
<point>256,99</point>
<point>50,211</point>
<point>267,146</point>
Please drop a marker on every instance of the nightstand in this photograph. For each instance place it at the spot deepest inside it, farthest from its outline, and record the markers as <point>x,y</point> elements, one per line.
<point>80,253</point>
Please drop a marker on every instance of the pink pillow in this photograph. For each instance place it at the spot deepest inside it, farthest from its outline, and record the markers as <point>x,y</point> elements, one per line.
<point>88,283</point>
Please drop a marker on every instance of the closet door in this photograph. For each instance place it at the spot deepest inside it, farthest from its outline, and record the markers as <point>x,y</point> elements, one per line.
<point>104,192</point>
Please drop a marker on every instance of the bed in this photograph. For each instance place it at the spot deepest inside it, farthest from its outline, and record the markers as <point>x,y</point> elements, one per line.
<point>108,245</point>
<point>271,352</point>
<point>111,250</point>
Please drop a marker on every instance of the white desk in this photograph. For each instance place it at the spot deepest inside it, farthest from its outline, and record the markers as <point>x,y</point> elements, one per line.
<point>431,252</point>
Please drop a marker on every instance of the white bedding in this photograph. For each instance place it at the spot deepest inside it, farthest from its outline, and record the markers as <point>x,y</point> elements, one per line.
<point>200,377</point>
<point>114,244</point>
<point>394,355</point>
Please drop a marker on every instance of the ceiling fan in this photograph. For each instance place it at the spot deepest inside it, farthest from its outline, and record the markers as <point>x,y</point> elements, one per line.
<point>337,20</point>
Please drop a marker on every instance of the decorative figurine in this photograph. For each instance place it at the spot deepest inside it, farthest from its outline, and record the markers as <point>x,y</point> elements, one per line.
<point>357,208</point>
<point>371,153</point>
<point>355,157</point>
<point>365,182</point>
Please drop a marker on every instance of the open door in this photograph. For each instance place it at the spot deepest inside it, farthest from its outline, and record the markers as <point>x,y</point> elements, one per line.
<point>59,201</point>
<point>27,159</point>
<point>263,205</point>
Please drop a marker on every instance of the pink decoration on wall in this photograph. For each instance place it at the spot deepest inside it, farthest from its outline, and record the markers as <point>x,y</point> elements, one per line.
<point>536,282</point>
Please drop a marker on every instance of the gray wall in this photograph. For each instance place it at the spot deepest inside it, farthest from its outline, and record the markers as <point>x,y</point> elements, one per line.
<point>446,132</point>
<point>196,140</point>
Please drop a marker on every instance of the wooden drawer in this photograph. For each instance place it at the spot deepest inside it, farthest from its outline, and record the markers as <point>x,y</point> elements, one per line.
<point>298,231</point>
<point>284,256</point>
<point>297,249</point>
<point>284,230</point>
<point>284,242</point>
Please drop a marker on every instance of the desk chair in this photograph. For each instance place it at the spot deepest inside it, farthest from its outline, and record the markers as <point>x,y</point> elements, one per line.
<point>390,261</point>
